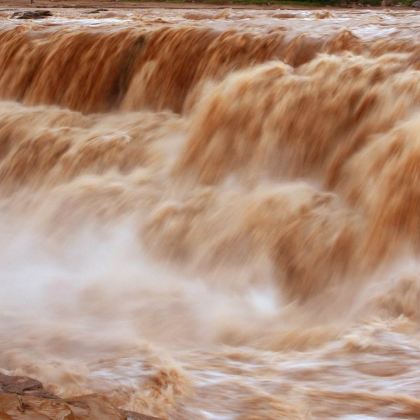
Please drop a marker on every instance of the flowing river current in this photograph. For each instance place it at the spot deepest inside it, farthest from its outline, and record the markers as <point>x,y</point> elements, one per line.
<point>214,214</point>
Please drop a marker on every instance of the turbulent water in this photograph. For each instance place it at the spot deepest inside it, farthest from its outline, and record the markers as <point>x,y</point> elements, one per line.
<point>214,214</point>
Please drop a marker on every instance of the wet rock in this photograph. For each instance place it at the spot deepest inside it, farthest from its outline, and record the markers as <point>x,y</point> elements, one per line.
<point>131,415</point>
<point>18,384</point>
<point>416,4</point>
<point>96,11</point>
<point>32,14</point>
<point>25,398</point>
<point>22,385</point>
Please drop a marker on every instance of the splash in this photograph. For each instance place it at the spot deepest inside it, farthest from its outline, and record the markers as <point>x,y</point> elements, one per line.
<point>213,222</point>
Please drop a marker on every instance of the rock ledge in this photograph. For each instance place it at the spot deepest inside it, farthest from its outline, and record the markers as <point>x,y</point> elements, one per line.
<point>25,398</point>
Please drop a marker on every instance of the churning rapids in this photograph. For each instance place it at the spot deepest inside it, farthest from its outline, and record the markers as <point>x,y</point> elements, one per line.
<point>214,214</point>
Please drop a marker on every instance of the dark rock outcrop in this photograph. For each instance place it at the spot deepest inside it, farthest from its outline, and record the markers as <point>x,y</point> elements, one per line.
<point>96,11</point>
<point>32,14</point>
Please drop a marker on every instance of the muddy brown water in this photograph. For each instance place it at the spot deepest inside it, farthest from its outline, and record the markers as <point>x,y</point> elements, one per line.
<point>214,214</point>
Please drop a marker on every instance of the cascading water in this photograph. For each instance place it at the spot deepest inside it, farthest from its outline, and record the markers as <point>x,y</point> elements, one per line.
<point>214,215</point>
